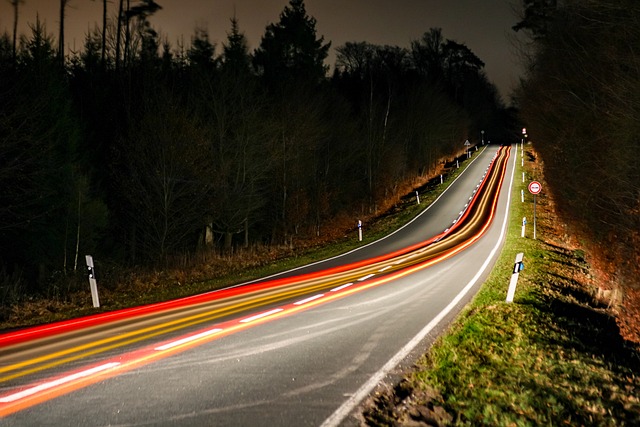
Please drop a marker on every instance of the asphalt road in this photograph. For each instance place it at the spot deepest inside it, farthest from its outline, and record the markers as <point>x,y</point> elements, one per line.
<point>307,367</point>
<point>432,221</point>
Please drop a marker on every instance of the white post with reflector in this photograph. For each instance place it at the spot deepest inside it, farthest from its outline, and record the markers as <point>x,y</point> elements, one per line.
<point>517,268</point>
<point>524,223</point>
<point>359,231</point>
<point>92,281</point>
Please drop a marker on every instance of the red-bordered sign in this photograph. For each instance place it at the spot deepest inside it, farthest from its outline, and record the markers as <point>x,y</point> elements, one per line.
<point>535,187</point>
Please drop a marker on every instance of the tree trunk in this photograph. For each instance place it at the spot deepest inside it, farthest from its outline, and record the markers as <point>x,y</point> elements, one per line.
<point>246,232</point>
<point>15,4</point>
<point>127,36</point>
<point>104,34</point>
<point>228,238</point>
<point>118,34</point>
<point>63,5</point>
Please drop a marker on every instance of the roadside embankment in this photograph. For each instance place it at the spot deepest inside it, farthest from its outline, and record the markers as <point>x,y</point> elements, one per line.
<point>555,356</point>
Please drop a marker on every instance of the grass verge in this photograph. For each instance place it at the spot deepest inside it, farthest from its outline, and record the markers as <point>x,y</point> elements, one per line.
<point>552,357</point>
<point>138,287</point>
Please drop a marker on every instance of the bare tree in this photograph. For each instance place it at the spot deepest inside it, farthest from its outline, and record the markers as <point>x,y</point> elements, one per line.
<point>580,96</point>
<point>15,4</point>
<point>103,52</point>
<point>63,6</point>
<point>104,34</point>
<point>164,187</point>
<point>119,33</point>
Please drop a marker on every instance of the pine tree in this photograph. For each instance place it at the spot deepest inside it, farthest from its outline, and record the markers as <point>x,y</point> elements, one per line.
<point>290,49</point>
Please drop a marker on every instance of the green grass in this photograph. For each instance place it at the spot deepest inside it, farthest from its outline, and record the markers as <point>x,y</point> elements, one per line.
<point>379,228</point>
<point>139,288</point>
<point>552,357</point>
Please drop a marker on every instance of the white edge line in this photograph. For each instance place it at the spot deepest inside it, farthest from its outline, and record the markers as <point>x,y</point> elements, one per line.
<point>339,288</point>
<point>45,386</point>
<point>306,300</point>
<point>345,409</point>
<point>187,339</point>
<point>261,315</point>
<point>371,243</point>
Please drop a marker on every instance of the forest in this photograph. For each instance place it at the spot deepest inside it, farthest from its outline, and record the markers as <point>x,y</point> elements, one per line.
<point>580,101</point>
<point>138,151</point>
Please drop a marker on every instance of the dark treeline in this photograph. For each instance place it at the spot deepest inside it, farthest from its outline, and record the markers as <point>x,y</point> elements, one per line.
<point>581,103</point>
<point>135,150</point>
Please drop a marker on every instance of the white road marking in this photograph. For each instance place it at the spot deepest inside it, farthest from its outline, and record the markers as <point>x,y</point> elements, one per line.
<point>261,315</point>
<point>45,386</point>
<point>424,212</point>
<point>345,409</point>
<point>188,339</point>
<point>306,300</point>
<point>368,276</point>
<point>346,285</point>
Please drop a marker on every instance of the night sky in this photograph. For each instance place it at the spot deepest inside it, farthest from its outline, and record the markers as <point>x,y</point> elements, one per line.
<point>483,25</point>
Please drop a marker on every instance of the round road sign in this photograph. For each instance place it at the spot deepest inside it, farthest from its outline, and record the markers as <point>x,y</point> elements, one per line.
<point>535,187</point>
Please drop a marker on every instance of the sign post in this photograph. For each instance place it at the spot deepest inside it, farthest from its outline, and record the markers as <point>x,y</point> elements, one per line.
<point>534,188</point>
<point>92,281</point>
<point>518,266</point>
<point>467,144</point>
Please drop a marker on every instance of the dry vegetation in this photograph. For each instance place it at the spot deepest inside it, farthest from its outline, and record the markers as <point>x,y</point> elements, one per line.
<point>581,106</point>
<point>211,269</point>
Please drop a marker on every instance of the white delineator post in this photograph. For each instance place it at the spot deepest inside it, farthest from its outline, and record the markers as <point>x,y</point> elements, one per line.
<point>524,222</point>
<point>517,268</point>
<point>92,281</point>
<point>417,197</point>
<point>359,231</point>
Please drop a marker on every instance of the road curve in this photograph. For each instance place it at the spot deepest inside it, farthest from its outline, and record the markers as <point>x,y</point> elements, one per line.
<point>291,351</point>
